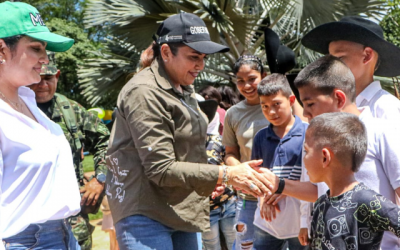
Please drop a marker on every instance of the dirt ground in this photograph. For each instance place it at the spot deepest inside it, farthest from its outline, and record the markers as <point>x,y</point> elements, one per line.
<point>100,238</point>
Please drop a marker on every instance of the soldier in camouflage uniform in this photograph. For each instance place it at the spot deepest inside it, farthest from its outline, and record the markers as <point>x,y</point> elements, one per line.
<point>82,129</point>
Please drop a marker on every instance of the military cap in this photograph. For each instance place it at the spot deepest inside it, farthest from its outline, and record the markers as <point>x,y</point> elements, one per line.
<point>51,68</point>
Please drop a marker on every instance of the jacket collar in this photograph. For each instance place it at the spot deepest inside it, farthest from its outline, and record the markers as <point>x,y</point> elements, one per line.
<point>296,130</point>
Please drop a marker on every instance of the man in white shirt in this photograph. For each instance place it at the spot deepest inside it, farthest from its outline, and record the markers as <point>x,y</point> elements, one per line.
<point>360,44</point>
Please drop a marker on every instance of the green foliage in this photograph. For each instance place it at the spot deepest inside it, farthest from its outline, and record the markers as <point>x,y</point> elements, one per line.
<point>391,23</point>
<point>69,61</point>
<point>238,24</point>
<point>65,17</point>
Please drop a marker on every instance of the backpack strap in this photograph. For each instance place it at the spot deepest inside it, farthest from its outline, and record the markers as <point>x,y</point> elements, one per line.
<point>69,117</point>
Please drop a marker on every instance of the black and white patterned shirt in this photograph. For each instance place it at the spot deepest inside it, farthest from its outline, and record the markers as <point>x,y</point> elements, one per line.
<point>354,220</point>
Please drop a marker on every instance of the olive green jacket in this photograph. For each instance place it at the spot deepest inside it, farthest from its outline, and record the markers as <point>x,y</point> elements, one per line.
<point>157,157</point>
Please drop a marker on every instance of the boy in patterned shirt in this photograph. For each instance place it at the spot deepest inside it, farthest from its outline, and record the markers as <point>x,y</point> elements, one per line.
<point>349,215</point>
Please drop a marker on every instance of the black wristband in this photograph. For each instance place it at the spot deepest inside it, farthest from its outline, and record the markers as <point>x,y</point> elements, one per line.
<point>281,186</point>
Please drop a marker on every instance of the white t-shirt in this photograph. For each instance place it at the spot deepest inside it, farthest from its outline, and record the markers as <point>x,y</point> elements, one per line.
<point>37,177</point>
<point>381,168</point>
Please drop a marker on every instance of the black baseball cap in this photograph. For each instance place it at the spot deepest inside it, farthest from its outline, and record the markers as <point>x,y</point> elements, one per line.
<point>190,30</point>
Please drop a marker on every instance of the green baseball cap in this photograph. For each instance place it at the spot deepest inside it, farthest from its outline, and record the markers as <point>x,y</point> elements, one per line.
<point>23,19</point>
<point>51,67</point>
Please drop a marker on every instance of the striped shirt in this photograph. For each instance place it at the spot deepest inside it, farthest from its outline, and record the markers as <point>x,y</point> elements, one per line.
<point>281,155</point>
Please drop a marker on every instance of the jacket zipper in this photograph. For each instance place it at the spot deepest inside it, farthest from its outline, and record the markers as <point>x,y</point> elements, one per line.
<point>185,104</point>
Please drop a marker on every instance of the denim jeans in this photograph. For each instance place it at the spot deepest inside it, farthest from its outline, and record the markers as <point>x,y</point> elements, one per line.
<point>54,234</point>
<point>264,240</point>
<point>138,232</point>
<point>222,218</point>
<point>245,211</point>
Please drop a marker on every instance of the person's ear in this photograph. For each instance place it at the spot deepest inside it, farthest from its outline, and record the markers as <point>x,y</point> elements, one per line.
<point>4,50</point>
<point>58,74</point>
<point>166,52</point>
<point>340,98</point>
<point>292,99</point>
<point>263,75</point>
<point>326,157</point>
<point>368,54</point>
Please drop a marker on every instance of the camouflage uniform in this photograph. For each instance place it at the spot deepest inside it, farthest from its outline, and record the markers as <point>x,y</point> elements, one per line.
<point>94,135</point>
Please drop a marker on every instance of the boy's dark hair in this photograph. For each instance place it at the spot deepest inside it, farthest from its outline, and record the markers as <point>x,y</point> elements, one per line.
<point>211,93</point>
<point>327,74</point>
<point>343,133</point>
<point>252,61</point>
<point>274,83</point>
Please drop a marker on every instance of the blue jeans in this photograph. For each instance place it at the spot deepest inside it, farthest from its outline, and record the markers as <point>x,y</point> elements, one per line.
<point>53,234</point>
<point>266,241</point>
<point>138,232</point>
<point>245,211</point>
<point>221,218</point>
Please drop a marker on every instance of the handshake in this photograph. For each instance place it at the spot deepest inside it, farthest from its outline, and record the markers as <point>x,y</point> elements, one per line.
<point>253,179</point>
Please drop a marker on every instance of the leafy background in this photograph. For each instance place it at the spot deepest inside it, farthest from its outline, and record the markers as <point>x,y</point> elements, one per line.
<point>110,35</point>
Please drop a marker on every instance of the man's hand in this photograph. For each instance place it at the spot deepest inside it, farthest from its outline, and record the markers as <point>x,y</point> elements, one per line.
<point>303,236</point>
<point>92,191</point>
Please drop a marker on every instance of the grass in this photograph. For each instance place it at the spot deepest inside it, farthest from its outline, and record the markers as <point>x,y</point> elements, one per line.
<point>88,166</point>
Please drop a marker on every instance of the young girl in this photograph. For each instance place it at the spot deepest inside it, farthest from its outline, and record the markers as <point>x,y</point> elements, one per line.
<point>242,122</point>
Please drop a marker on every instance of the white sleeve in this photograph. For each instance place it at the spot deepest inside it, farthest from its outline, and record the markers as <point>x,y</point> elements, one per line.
<point>1,183</point>
<point>305,206</point>
<point>389,148</point>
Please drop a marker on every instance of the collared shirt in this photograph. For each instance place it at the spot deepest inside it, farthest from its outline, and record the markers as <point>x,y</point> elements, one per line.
<point>380,169</point>
<point>381,103</point>
<point>37,180</point>
<point>156,158</point>
<point>283,156</point>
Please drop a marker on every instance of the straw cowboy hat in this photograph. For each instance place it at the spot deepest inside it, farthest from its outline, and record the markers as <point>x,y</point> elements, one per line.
<point>359,30</point>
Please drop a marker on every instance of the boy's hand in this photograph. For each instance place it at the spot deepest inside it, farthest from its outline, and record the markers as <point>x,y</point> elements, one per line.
<point>219,190</point>
<point>274,199</point>
<point>268,212</point>
<point>303,236</point>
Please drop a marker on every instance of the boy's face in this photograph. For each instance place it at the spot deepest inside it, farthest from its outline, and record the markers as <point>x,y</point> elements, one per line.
<point>315,103</point>
<point>277,108</point>
<point>312,159</point>
<point>351,53</point>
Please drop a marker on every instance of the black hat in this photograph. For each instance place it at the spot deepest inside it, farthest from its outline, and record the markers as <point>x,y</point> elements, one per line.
<point>209,107</point>
<point>359,30</point>
<point>190,30</point>
<point>281,59</point>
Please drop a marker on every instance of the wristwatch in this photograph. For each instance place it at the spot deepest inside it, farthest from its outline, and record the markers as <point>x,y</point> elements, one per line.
<point>100,178</point>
